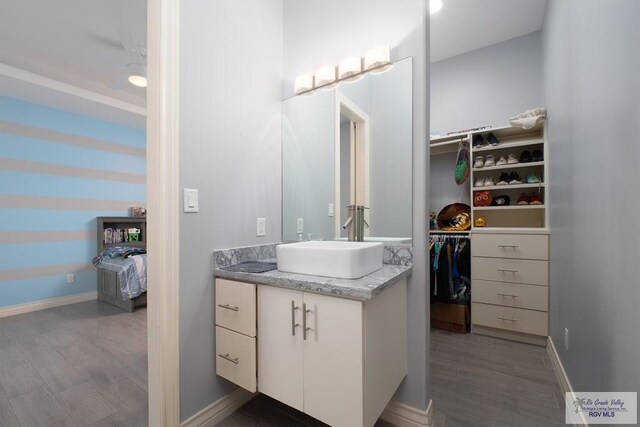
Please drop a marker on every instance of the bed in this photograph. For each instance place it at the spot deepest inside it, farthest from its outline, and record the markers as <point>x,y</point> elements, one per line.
<point>122,281</point>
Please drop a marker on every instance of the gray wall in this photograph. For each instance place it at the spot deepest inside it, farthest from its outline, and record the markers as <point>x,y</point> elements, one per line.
<point>230,93</point>
<point>444,189</point>
<point>487,86</point>
<point>318,33</point>
<point>592,91</point>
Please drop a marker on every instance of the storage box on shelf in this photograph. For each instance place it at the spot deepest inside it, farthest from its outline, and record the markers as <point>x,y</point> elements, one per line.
<point>514,141</point>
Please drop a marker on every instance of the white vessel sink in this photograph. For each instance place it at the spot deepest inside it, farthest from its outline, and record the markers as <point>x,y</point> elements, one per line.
<point>345,260</point>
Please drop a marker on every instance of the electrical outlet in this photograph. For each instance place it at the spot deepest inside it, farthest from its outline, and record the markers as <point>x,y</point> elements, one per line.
<point>300,226</point>
<point>261,227</point>
<point>566,339</point>
<point>71,277</point>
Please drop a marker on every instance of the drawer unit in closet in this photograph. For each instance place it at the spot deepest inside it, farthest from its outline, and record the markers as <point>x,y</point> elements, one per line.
<point>509,318</point>
<point>523,246</point>
<point>236,332</point>
<point>533,272</point>
<point>532,297</point>
<point>236,306</point>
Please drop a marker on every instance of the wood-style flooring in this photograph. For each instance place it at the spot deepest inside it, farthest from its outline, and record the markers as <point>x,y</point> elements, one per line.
<point>75,366</point>
<point>86,365</point>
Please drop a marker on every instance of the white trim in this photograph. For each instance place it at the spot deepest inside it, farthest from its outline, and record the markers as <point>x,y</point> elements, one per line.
<point>403,415</point>
<point>58,86</point>
<point>219,410</point>
<point>163,208</point>
<point>28,307</point>
<point>563,378</point>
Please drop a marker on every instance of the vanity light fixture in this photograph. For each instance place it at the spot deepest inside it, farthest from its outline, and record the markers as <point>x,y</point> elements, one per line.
<point>326,77</point>
<point>350,68</point>
<point>378,59</point>
<point>303,83</point>
<point>434,6</point>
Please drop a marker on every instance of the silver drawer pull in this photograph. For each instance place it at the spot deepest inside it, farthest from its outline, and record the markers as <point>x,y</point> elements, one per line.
<point>226,357</point>
<point>228,307</point>
<point>510,271</point>
<point>508,246</point>
<point>294,325</point>
<point>508,295</point>
<point>507,318</point>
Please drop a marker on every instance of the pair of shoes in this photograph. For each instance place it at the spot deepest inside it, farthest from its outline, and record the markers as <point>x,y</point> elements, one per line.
<point>514,178</point>
<point>532,178</point>
<point>485,182</point>
<point>510,160</point>
<point>527,157</point>
<point>503,200</point>
<point>481,163</point>
<point>533,199</point>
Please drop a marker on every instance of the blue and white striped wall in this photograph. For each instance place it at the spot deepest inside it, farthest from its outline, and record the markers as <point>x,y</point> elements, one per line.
<point>58,172</point>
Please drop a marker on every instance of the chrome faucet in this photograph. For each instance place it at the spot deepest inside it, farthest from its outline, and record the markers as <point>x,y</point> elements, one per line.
<point>355,223</point>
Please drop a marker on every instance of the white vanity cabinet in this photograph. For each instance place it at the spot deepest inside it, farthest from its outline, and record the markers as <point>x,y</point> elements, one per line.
<point>336,359</point>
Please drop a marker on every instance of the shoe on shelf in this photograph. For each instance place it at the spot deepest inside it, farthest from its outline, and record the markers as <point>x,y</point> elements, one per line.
<point>489,182</point>
<point>490,161</point>
<point>525,157</point>
<point>492,140</point>
<point>503,200</point>
<point>535,199</point>
<point>523,200</point>
<point>514,178</point>
<point>479,182</point>
<point>536,156</point>
<point>479,162</point>
<point>477,141</point>
<point>512,160</point>
<point>501,161</point>
<point>504,179</point>
<point>532,178</point>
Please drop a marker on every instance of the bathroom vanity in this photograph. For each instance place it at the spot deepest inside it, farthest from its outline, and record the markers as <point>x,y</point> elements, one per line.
<point>332,348</point>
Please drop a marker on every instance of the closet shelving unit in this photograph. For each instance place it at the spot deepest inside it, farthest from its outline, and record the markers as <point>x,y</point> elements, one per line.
<point>514,141</point>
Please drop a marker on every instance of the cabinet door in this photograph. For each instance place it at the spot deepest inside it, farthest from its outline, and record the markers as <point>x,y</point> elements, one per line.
<point>280,345</point>
<point>333,360</point>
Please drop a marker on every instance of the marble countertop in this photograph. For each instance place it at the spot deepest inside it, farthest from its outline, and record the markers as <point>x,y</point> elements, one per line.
<point>362,289</point>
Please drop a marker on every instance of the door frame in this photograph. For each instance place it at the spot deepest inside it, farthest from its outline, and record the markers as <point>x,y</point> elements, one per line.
<point>346,106</point>
<point>163,207</point>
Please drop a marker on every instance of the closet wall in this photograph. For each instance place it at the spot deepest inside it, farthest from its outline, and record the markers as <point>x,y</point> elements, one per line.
<point>486,86</point>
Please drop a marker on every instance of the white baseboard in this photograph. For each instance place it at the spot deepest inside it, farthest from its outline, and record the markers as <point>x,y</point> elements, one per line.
<point>563,379</point>
<point>407,416</point>
<point>28,307</point>
<point>219,410</point>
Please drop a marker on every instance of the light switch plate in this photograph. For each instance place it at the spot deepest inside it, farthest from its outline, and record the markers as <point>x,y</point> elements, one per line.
<point>300,225</point>
<point>261,227</point>
<point>332,210</point>
<point>190,200</point>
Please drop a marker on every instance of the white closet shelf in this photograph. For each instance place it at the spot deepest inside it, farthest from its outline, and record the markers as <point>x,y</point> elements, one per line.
<point>510,207</point>
<point>512,166</point>
<point>509,187</point>
<point>508,145</point>
<point>449,232</point>
<point>445,147</point>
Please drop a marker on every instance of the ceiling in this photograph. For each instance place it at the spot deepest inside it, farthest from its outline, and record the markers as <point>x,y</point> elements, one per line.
<point>74,42</point>
<point>462,26</point>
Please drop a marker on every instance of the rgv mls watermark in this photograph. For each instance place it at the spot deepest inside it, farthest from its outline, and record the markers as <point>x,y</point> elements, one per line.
<point>601,408</point>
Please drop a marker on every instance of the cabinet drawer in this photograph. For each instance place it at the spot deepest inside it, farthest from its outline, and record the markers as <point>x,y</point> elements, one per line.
<point>236,358</point>
<point>512,319</point>
<point>236,306</point>
<point>524,246</point>
<point>516,295</point>
<point>510,270</point>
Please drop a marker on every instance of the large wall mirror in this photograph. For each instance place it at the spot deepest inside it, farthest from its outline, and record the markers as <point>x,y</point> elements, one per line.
<point>351,144</point>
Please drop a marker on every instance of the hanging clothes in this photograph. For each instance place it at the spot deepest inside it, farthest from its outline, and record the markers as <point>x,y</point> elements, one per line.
<point>450,272</point>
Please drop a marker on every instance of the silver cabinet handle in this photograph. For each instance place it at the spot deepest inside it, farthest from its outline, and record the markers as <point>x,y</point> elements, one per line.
<point>508,246</point>
<point>507,318</point>
<point>304,321</point>
<point>230,359</point>
<point>508,295</point>
<point>510,271</point>
<point>294,325</point>
<point>228,307</point>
